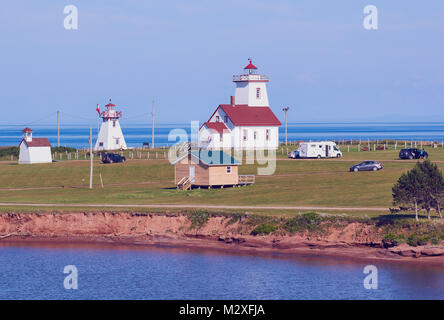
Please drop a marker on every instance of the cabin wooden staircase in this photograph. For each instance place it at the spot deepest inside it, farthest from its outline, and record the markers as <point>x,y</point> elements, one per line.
<point>184,183</point>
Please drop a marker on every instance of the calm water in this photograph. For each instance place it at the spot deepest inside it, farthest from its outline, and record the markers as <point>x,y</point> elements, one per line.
<point>111,272</point>
<point>136,134</point>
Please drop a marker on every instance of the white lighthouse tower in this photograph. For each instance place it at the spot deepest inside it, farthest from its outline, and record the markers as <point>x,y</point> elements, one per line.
<point>251,89</point>
<point>110,135</point>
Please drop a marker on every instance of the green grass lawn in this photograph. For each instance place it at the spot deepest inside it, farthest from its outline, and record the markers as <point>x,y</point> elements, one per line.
<point>321,182</point>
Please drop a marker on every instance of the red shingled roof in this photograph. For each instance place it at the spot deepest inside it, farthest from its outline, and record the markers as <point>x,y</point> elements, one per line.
<point>37,142</point>
<point>243,115</point>
<point>218,126</point>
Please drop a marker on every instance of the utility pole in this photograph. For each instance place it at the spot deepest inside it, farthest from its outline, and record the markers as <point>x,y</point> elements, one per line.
<point>91,156</point>
<point>58,128</point>
<point>286,110</point>
<point>152,129</point>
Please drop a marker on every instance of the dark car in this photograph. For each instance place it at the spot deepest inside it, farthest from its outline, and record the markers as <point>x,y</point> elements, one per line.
<point>293,154</point>
<point>413,153</point>
<point>367,166</point>
<point>112,158</point>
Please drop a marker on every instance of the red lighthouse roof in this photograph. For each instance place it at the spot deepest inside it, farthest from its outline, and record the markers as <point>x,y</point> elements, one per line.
<point>26,130</point>
<point>250,65</point>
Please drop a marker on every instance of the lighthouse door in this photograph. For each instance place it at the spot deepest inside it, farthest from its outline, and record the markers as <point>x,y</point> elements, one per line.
<point>192,173</point>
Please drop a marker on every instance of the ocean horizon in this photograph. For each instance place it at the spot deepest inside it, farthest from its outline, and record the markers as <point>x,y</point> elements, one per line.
<point>77,135</point>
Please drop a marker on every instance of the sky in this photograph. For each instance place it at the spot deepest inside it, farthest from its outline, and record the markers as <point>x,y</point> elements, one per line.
<point>321,61</point>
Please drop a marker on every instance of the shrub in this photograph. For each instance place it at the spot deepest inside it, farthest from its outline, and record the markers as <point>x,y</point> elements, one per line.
<point>264,228</point>
<point>199,218</point>
<point>308,221</point>
<point>417,240</point>
<point>393,239</point>
<point>10,151</point>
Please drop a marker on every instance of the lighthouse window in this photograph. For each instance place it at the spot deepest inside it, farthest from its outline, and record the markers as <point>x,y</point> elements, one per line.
<point>114,123</point>
<point>217,118</point>
<point>258,93</point>
<point>117,141</point>
<point>100,144</point>
<point>267,134</point>
<point>245,135</point>
<point>255,135</point>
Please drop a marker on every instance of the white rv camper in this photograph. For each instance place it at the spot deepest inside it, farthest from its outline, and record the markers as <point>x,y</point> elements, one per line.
<point>319,149</point>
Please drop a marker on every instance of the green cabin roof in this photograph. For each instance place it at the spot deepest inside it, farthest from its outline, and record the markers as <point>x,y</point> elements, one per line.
<point>211,158</point>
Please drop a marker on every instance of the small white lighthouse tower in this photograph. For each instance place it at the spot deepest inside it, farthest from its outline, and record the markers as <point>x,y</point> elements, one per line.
<point>251,89</point>
<point>110,135</point>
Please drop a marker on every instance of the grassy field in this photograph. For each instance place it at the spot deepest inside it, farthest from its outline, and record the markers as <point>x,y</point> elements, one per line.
<point>324,182</point>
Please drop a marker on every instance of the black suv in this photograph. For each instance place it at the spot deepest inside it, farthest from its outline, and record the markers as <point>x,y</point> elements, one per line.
<point>112,157</point>
<point>413,153</point>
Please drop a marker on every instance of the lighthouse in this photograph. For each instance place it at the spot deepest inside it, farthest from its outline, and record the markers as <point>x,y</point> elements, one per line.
<point>247,122</point>
<point>251,87</point>
<point>110,135</point>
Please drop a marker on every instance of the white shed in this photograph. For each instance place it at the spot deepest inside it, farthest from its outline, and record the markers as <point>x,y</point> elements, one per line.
<point>34,150</point>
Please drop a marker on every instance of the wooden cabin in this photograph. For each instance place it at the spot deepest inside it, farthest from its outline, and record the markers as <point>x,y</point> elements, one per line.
<point>208,168</point>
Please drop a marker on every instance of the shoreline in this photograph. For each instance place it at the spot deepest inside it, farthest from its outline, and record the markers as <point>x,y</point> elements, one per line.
<point>337,251</point>
<point>347,240</point>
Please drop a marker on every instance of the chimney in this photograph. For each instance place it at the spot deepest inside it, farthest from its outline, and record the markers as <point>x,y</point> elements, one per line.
<point>232,101</point>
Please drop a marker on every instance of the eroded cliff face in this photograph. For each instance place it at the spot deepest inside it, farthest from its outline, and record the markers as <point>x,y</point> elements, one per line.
<point>117,224</point>
<point>221,232</point>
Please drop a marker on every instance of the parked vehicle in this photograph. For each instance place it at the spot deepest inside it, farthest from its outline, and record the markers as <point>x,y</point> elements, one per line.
<point>322,149</point>
<point>293,154</point>
<point>367,166</point>
<point>112,158</point>
<point>413,153</point>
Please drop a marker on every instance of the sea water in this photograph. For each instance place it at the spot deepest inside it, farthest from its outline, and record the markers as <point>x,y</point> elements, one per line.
<point>131,272</point>
<point>136,134</point>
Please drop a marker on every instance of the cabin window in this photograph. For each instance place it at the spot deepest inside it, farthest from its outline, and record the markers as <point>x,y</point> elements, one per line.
<point>228,169</point>
<point>100,144</point>
<point>267,134</point>
<point>114,123</point>
<point>258,93</point>
<point>221,137</point>
<point>255,135</point>
<point>245,135</point>
<point>217,118</point>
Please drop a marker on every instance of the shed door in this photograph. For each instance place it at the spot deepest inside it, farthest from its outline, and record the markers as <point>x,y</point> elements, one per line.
<point>192,171</point>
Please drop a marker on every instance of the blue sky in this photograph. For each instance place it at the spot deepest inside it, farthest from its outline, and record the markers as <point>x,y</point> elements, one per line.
<point>321,61</point>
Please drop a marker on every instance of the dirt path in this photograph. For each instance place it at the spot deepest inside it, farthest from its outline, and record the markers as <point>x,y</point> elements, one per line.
<point>188,206</point>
